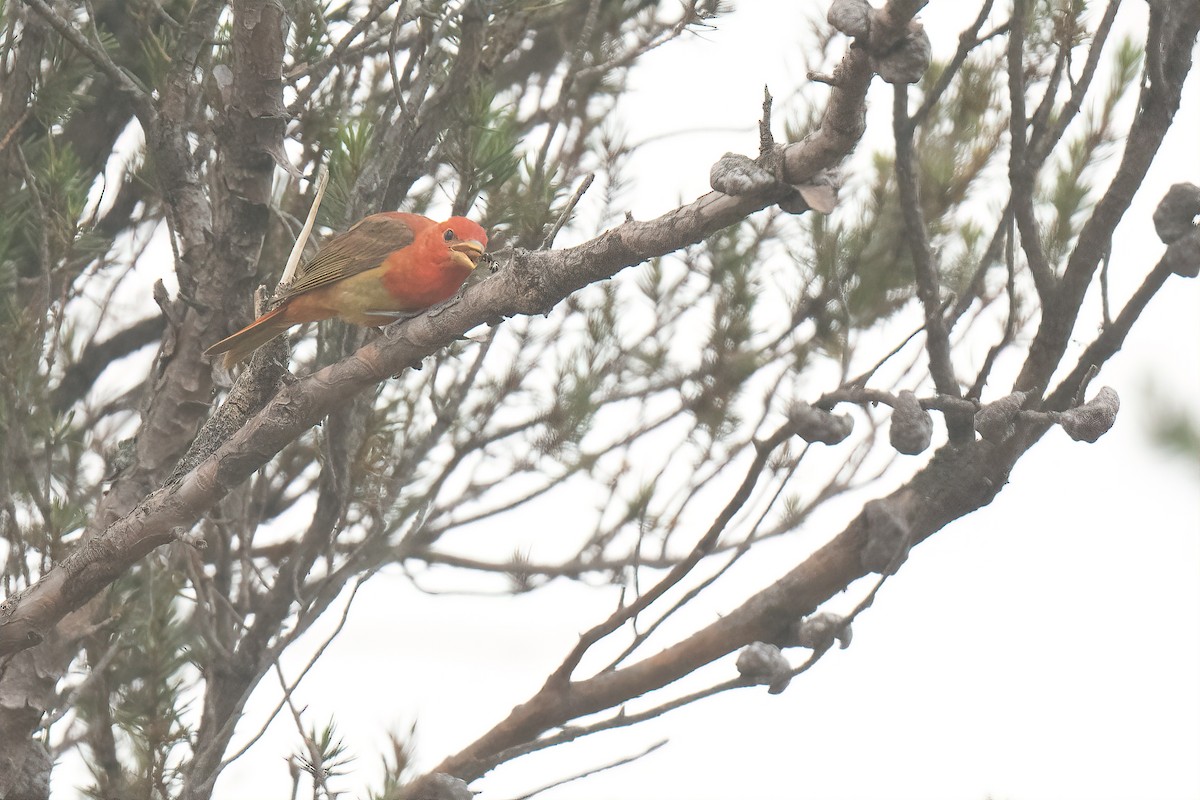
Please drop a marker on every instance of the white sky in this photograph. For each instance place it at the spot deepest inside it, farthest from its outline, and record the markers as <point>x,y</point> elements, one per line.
<point>1047,646</point>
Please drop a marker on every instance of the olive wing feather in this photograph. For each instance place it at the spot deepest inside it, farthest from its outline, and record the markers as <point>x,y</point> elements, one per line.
<point>363,247</point>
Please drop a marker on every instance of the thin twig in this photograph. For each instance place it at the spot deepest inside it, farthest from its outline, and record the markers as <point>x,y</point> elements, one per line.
<point>862,378</point>
<point>16,126</point>
<point>991,255</point>
<point>548,242</point>
<point>289,270</point>
<point>67,703</point>
<point>620,762</point>
<point>739,551</point>
<point>399,22</point>
<point>686,19</point>
<point>1043,139</point>
<point>1111,338</point>
<point>574,65</point>
<point>702,548</point>
<point>290,689</point>
<point>1010,323</point>
<point>317,75</point>
<point>96,54</point>
<point>968,40</point>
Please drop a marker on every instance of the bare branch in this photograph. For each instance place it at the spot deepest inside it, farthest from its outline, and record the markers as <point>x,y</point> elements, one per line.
<point>1157,105</point>
<point>620,762</point>
<point>1021,172</point>
<point>530,284</point>
<point>1042,139</point>
<point>957,481</point>
<point>937,337</point>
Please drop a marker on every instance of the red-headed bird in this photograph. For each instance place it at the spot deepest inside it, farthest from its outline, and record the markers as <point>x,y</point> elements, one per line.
<point>384,267</point>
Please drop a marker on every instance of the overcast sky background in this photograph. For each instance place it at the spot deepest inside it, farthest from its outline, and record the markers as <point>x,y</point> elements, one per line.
<point>1045,647</point>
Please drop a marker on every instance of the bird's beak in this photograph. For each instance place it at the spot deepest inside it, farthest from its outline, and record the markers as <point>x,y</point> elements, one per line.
<point>467,252</point>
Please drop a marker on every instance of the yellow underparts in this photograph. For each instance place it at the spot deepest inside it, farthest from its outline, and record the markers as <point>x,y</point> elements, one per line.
<point>390,287</point>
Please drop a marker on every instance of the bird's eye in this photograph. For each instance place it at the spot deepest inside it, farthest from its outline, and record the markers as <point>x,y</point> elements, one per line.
<point>448,236</point>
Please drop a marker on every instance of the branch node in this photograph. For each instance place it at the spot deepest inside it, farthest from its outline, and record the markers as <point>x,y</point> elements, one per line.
<point>814,425</point>
<point>763,663</point>
<point>1176,214</point>
<point>898,54</point>
<point>888,537</point>
<point>1175,222</point>
<point>851,17</point>
<point>1090,421</point>
<point>911,427</point>
<point>191,539</point>
<point>995,421</point>
<point>820,631</point>
<point>907,60</point>
<point>739,175</point>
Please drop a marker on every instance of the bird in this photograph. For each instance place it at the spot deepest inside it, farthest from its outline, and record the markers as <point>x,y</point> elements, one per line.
<point>386,267</point>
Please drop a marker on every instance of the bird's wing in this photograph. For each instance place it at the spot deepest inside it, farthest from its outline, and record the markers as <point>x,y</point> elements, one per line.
<point>363,247</point>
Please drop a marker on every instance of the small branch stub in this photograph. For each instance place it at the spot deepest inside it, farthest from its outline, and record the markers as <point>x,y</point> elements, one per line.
<point>1090,421</point>
<point>911,427</point>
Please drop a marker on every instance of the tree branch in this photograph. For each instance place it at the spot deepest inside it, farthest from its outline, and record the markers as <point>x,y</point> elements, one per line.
<point>1157,104</point>
<point>1021,171</point>
<point>929,286</point>
<point>956,482</point>
<point>1042,138</point>
<point>531,283</point>
<point>78,378</point>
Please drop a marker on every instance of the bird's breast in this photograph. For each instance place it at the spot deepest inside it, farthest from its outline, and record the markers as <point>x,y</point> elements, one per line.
<point>416,283</point>
<point>403,283</point>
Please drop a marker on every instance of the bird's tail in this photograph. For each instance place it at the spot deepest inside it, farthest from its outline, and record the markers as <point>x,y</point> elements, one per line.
<point>238,347</point>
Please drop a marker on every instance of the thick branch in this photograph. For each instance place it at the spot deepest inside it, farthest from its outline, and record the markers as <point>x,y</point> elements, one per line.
<point>1157,105</point>
<point>530,284</point>
<point>763,452</point>
<point>956,482</point>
